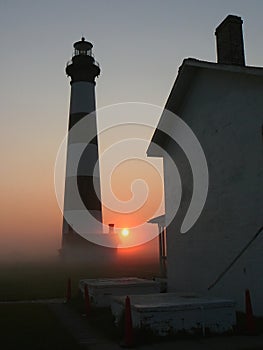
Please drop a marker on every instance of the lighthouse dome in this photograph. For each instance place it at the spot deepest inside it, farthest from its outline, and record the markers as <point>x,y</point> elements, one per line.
<point>83,46</point>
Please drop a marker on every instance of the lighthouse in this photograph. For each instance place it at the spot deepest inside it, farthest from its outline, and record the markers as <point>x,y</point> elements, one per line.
<point>82,176</point>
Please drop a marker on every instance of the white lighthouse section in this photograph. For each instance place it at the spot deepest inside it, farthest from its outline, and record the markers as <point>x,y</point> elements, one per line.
<point>82,97</point>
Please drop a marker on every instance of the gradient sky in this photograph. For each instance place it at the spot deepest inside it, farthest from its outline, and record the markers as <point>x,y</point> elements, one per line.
<point>139,44</point>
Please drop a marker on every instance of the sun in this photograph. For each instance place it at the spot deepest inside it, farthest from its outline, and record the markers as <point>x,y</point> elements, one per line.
<point>125,232</point>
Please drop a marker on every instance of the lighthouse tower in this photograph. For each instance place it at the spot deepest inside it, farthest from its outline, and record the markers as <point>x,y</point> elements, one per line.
<point>83,70</point>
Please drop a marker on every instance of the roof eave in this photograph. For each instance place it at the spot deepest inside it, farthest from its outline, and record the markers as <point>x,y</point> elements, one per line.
<point>185,74</point>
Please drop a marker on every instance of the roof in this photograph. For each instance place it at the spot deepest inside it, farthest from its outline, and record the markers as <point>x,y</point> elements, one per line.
<point>160,220</point>
<point>186,73</point>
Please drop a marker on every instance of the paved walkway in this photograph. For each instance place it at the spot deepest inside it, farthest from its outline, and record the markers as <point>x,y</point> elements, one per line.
<point>35,301</point>
<point>78,326</point>
<point>87,337</point>
<point>213,343</point>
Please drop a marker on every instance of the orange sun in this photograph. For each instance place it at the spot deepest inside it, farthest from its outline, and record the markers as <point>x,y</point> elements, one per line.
<point>125,232</point>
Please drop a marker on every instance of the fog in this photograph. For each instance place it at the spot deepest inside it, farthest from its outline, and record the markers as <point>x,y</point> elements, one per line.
<point>30,251</point>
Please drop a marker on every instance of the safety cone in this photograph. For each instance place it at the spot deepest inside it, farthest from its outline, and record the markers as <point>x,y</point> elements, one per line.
<point>68,292</point>
<point>87,301</point>
<point>128,331</point>
<point>251,328</point>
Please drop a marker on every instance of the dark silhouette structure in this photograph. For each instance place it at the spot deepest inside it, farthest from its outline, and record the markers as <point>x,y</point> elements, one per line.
<point>82,175</point>
<point>229,40</point>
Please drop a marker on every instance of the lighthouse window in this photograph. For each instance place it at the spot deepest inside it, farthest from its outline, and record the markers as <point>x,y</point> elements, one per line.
<point>80,52</point>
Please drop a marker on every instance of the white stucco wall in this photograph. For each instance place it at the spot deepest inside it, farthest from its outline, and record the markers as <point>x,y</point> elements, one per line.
<point>225,111</point>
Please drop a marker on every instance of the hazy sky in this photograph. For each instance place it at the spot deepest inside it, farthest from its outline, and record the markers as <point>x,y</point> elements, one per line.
<point>139,45</point>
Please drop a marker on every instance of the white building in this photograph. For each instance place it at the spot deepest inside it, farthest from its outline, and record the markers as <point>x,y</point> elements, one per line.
<point>223,105</point>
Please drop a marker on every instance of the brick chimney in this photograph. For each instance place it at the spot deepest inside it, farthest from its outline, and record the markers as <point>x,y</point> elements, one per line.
<point>229,41</point>
<point>111,228</point>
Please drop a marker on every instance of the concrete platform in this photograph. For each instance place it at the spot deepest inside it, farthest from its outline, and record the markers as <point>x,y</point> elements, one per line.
<point>169,313</point>
<point>101,290</point>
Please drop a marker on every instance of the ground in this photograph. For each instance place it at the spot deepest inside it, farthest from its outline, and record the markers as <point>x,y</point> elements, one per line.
<point>32,326</point>
<point>50,324</point>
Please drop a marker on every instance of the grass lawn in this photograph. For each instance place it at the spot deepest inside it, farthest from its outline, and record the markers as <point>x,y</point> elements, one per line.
<point>32,326</point>
<point>26,281</point>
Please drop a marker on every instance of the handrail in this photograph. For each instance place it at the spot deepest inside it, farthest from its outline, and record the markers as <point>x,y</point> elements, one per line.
<point>235,259</point>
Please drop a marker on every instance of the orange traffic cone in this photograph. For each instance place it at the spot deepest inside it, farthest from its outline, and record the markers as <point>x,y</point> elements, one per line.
<point>251,329</point>
<point>68,293</point>
<point>87,301</point>
<point>128,332</point>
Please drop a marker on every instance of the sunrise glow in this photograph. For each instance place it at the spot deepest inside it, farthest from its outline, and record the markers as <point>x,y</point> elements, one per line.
<point>125,232</point>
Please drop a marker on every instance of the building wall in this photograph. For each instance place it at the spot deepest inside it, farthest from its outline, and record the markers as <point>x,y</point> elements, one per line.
<point>225,112</point>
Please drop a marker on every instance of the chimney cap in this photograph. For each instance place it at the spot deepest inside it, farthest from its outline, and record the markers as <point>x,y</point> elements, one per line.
<point>227,20</point>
